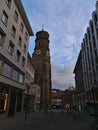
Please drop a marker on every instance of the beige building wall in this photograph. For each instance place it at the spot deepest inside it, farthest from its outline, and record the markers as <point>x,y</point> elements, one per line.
<point>36,92</point>
<point>15,30</point>
<point>32,90</point>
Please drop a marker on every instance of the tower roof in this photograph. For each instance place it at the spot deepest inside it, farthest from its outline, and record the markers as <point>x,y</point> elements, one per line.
<point>42,33</point>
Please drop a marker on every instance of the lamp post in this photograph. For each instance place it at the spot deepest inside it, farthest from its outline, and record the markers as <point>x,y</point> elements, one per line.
<point>45,97</point>
<point>94,102</point>
<point>27,101</point>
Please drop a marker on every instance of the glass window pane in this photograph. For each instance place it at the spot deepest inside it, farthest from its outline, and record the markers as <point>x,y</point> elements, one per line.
<point>20,78</point>
<point>15,75</point>
<point>1,38</point>
<point>16,16</point>
<point>8,2</point>
<point>6,70</point>
<point>11,48</point>
<point>4,18</point>
<point>13,31</point>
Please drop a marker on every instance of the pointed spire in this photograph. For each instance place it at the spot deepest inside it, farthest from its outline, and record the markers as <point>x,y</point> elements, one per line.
<point>43,27</point>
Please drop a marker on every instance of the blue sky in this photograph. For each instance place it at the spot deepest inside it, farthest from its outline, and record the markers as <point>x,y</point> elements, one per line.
<point>66,22</point>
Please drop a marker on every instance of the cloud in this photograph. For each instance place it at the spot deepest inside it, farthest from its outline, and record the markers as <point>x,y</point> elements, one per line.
<point>66,22</point>
<point>62,76</point>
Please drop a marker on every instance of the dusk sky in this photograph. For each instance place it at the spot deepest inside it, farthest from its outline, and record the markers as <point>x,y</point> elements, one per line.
<point>66,22</point>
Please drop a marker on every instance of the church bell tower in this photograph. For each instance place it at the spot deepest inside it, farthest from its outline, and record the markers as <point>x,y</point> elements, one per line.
<point>41,61</point>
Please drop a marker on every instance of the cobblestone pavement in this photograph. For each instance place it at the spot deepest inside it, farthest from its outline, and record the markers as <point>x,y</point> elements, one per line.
<point>56,120</point>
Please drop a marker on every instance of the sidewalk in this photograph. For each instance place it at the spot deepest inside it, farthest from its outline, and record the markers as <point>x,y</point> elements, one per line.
<point>50,121</point>
<point>18,120</point>
<point>76,114</point>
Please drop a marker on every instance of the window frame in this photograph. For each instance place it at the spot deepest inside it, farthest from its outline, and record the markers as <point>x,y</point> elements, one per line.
<point>8,3</point>
<point>21,27</point>
<point>3,34</point>
<point>13,31</point>
<point>11,47</point>
<point>26,36</point>
<point>23,61</point>
<point>15,75</point>
<point>25,48</point>
<point>4,18</point>
<point>16,16</point>
<point>19,41</point>
<point>18,54</point>
<point>21,78</point>
<point>7,70</point>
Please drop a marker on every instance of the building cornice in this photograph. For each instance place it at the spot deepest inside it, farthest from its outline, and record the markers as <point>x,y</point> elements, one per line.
<point>24,16</point>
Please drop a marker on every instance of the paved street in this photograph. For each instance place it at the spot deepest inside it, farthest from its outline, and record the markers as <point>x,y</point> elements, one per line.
<point>50,121</point>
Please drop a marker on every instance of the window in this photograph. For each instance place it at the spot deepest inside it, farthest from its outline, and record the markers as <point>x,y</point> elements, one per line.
<point>6,70</point>
<point>11,47</point>
<point>15,75</point>
<point>23,61</point>
<point>26,35</point>
<point>18,56</point>
<point>19,41</point>
<point>4,17</point>
<point>16,16</point>
<point>25,48</point>
<point>2,36</point>
<point>21,27</point>
<point>13,31</point>
<point>3,101</point>
<point>0,64</point>
<point>8,3</point>
<point>20,78</point>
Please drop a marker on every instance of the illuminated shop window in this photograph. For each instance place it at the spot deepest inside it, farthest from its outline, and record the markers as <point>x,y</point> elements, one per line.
<point>3,102</point>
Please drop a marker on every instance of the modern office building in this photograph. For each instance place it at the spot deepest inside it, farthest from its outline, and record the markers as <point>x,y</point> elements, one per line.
<point>15,30</point>
<point>89,52</point>
<point>90,58</point>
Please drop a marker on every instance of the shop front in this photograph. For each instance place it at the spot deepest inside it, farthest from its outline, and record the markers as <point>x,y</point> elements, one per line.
<point>4,95</point>
<point>10,101</point>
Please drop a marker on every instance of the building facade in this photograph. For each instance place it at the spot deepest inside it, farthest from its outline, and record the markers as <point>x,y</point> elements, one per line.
<point>89,52</point>
<point>15,30</point>
<point>90,58</point>
<point>32,89</point>
<point>79,83</point>
<point>36,93</point>
<point>41,61</point>
<point>29,82</point>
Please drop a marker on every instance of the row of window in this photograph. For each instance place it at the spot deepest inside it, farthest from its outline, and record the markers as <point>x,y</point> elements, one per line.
<point>13,30</point>
<point>10,72</point>
<point>11,49</point>
<point>2,38</point>
<point>4,19</point>
<point>28,76</point>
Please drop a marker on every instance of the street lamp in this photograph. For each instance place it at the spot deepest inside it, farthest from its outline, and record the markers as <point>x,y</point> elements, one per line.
<point>27,102</point>
<point>94,102</point>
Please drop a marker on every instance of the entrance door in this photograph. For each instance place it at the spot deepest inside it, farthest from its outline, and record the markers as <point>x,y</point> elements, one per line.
<point>11,110</point>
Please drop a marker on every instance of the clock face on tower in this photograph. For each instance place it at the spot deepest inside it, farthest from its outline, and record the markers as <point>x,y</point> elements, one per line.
<point>38,52</point>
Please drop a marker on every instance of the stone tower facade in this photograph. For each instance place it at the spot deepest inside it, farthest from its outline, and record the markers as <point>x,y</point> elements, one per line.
<point>41,61</point>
